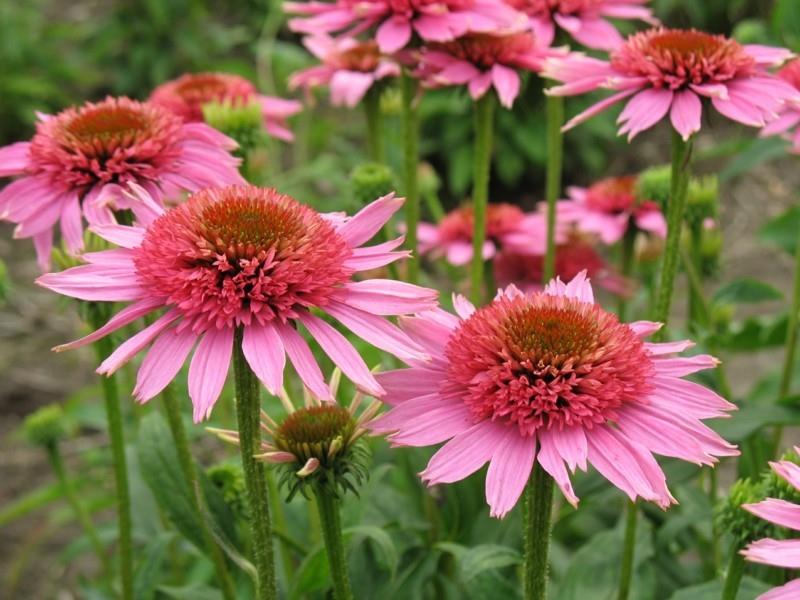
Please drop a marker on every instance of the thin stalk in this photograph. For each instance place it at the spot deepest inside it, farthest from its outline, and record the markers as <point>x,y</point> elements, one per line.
<point>538,511</point>
<point>280,524</point>
<point>186,462</point>
<point>374,117</point>
<point>328,507</point>
<point>626,575</point>
<point>57,462</point>
<point>626,261</point>
<point>248,406</point>
<point>410,118</point>
<point>695,258</point>
<point>103,348</point>
<point>734,575</point>
<point>554,112</point>
<point>679,185</point>
<point>482,155</point>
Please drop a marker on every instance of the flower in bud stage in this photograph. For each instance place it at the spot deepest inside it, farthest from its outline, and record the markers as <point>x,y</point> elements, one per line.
<point>46,426</point>
<point>371,180</point>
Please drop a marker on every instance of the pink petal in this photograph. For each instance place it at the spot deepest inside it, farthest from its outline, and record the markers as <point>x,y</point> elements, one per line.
<point>551,461</point>
<point>71,224</point>
<point>263,349</point>
<point>431,335</point>
<point>596,109</point>
<point>386,296</point>
<point>362,226</point>
<point>463,307</point>
<point>93,283</point>
<point>780,512</point>
<point>209,369</point>
<point>162,363</point>
<point>788,471</point>
<point>480,85</point>
<point>424,421</point>
<point>571,445</point>
<point>14,159</point>
<point>43,244</point>
<point>464,454</point>
<point>304,362</point>
<point>349,87</point>
<point>783,553</point>
<point>132,346</point>
<point>509,470</point>
<point>367,258</point>
<point>789,591</point>
<point>120,235</point>
<point>686,112</point>
<point>459,253</point>
<point>598,34</point>
<point>644,110</point>
<point>458,72</point>
<point>506,82</point>
<point>402,385</point>
<point>645,328</point>
<point>682,366</point>
<point>393,34</point>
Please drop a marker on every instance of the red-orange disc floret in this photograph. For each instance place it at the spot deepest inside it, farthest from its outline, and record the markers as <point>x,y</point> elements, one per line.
<point>486,50</point>
<point>117,140</point>
<point>540,361</point>
<point>613,195</point>
<point>541,8</point>
<point>232,255</point>
<point>501,218</point>
<point>674,58</point>
<point>186,95</point>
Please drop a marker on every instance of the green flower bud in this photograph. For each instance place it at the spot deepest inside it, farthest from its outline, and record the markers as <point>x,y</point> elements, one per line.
<point>228,478</point>
<point>242,122</point>
<point>46,426</point>
<point>731,517</point>
<point>653,184</point>
<point>370,181</point>
<point>702,200</point>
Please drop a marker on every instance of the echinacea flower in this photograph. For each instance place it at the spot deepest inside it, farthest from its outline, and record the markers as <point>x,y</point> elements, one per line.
<point>349,67</point>
<point>789,118</point>
<point>575,253</point>
<point>507,226</point>
<point>186,96</point>
<point>250,259</point>
<point>584,20</point>
<point>398,20</point>
<point>550,377</point>
<point>609,207</point>
<point>779,553</point>
<point>671,71</point>
<point>79,160</point>
<point>484,60</point>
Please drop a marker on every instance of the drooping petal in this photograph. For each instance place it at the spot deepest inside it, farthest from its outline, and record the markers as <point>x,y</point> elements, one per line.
<point>360,228</point>
<point>509,470</point>
<point>780,512</point>
<point>464,454</point>
<point>209,369</point>
<point>304,362</point>
<point>132,346</point>
<point>263,349</point>
<point>778,553</point>
<point>162,363</point>
<point>551,461</point>
<point>686,113</point>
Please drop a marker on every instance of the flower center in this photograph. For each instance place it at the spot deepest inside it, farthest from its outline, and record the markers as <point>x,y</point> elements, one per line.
<point>187,95</point>
<point>486,50</point>
<point>541,361</point>
<point>362,57</point>
<point>117,140</point>
<point>309,432</point>
<point>232,255</point>
<point>501,218</point>
<point>613,195</point>
<point>675,58</point>
<point>546,8</point>
<point>410,8</point>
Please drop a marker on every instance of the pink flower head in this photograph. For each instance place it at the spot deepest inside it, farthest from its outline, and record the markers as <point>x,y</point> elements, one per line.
<point>584,20</point>
<point>186,95</point>
<point>398,20</point>
<point>609,207</point>
<point>789,118</point>
<point>670,71</point>
<point>506,227</point>
<point>550,377</point>
<point>250,258</point>
<point>482,61</point>
<point>80,159</point>
<point>349,68</point>
<point>574,254</point>
<point>779,553</point>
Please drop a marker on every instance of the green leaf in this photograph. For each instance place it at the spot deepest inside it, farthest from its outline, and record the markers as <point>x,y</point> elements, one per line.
<point>750,419</point>
<point>149,568</point>
<point>753,333</point>
<point>484,557</point>
<point>746,290</point>
<point>783,230</point>
<point>195,591</point>
<point>712,590</point>
<point>313,574</point>
<point>387,552</point>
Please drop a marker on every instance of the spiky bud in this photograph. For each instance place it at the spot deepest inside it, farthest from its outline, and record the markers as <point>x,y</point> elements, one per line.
<point>242,122</point>
<point>46,426</point>
<point>370,181</point>
<point>228,478</point>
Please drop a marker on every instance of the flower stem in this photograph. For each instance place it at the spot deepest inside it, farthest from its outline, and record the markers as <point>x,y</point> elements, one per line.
<point>328,507</point>
<point>538,510</point>
<point>626,575</point>
<point>679,186</point>
<point>554,112</point>
<point>484,119</point>
<point>734,575</point>
<point>408,87</point>
<point>186,461</point>
<point>103,348</point>
<point>248,408</point>
<point>372,111</point>
<point>57,462</point>
<point>626,261</point>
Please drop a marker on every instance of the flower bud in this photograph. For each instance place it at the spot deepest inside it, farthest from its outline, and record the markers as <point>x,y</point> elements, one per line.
<point>46,426</point>
<point>370,181</point>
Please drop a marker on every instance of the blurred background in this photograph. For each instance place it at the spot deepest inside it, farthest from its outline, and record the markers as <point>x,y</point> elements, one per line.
<point>55,53</point>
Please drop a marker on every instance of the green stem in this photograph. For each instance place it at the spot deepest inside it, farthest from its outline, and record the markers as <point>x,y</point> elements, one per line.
<point>186,462</point>
<point>57,462</point>
<point>408,86</point>
<point>695,312</point>
<point>372,111</point>
<point>538,510</point>
<point>484,119</point>
<point>328,507</point>
<point>626,574</point>
<point>679,185</point>
<point>734,575</point>
<point>554,111</point>
<point>626,261</point>
<point>248,406</point>
<point>103,348</point>
<point>280,524</point>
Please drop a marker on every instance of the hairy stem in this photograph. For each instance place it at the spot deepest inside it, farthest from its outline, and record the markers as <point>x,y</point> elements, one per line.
<point>484,119</point>
<point>554,111</point>
<point>538,510</point>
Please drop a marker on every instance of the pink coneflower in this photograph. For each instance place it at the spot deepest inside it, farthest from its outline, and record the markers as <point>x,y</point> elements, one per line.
<point>250,258</point>
<point>670,71</point>
<point>574,254</point>
<point>779,553</point>
<point>787,123</point>
<point>349,68</point>
<point>186,96</point>
<point>555,378</point>
<point>584,20</point>
<point>482,61</point>
<point>506,227</point>
<point>609,207</point>
<point>398,20</point>
<point>79,159</point>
